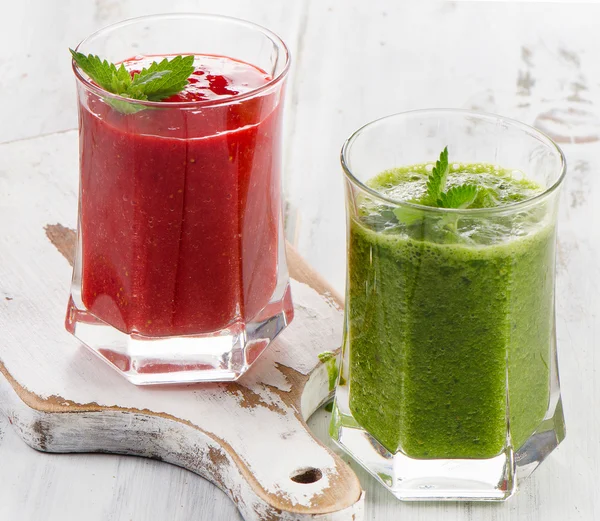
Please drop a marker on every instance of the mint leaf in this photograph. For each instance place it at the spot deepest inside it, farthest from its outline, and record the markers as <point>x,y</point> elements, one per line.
<point>461,196</point>
<point>159,81</point>
<point>330,360</point>
<point>101,71</point>
<point>406,215</point>
<point>121,79</point>
<point>124,107</point>
<point>165,78</point>
<point>438,177</point>
<point>486,198</point>
<point>141,83</point>
<point>325,356</point>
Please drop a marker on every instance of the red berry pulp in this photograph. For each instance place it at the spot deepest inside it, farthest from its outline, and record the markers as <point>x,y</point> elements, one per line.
<point>180,205</point>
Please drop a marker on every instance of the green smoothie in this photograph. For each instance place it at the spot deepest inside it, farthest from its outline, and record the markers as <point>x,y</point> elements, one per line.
<point>444,311</point>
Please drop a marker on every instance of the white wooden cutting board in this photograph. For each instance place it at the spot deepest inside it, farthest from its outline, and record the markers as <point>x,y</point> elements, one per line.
<point>249,438</point>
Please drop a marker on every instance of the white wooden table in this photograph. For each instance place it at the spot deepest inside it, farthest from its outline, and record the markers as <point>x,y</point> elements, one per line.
<point>354,61</point>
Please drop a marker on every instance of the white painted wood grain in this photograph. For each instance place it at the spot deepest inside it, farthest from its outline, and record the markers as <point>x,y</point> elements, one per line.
<point>37,486</point>
<point>40,188</point>
<point>37,84</point>
<point>355,61</point>
<point>364,60</point>
<point>144,434</point>
<point>533,62</point>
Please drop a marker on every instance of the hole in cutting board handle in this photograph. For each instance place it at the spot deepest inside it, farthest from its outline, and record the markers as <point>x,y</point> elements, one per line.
<point>306,475</point>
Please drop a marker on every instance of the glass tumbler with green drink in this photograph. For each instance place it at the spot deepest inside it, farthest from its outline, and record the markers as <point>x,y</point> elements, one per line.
<point>448,388</point>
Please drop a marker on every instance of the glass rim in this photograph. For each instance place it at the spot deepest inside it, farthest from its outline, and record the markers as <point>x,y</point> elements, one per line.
<point>280,44</point>
<point>489,116</point>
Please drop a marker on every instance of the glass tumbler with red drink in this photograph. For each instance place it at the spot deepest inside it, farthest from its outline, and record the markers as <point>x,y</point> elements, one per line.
<point>180,272</point>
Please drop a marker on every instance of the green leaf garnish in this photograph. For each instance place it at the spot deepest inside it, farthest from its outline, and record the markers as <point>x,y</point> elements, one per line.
<point>438,177</point>
<point>457,197</point>
<point>461,196</point>
<point>407,215</point>
<point>486,198</point>
<point>165,78</point>
<point>330,360</point>
<point>159,81</point>
<point>103,73</point>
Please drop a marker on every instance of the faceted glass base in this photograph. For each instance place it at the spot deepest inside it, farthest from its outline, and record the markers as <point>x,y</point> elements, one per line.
<point>219,356</point>
<point>410,479</point>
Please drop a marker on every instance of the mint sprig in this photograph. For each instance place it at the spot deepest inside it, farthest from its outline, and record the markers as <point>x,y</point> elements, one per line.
<point>163,79</point>
<point>458,197</point>
<point>461,196</point>
<point>159,81</point>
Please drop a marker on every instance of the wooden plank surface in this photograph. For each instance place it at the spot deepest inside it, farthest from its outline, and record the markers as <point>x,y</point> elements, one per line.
<point>354,61</point>
<point>60,399</point>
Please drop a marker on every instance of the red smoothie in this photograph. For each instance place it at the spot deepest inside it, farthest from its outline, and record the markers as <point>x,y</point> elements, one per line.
<point>180,206</point>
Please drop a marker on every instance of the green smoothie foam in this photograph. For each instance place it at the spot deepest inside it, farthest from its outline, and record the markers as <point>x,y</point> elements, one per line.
<point>444,310</point>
